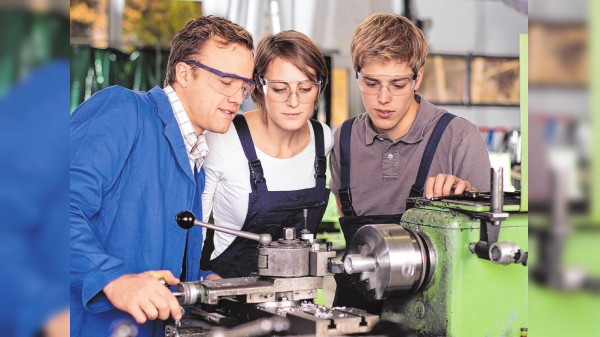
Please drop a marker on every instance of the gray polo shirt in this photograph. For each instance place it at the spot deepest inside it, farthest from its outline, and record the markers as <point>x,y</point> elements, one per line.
<point>383,170</point>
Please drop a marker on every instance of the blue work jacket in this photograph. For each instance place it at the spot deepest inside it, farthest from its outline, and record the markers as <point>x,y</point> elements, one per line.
<point>130,175</point>
<point>34,281</point>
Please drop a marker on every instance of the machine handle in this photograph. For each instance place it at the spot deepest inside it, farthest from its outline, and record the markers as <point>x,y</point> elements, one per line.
<point>164,283</point>
<point>187,220</point>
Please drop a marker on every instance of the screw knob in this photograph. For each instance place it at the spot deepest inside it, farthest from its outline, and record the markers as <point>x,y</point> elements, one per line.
<point>185,219</point>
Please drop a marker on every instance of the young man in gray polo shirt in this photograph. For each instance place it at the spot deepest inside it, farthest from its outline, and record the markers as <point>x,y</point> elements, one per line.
<point>377,155</point>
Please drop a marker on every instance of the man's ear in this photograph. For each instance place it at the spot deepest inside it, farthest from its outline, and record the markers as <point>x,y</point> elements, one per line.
<point>419,79</point>
<point>182,74</point>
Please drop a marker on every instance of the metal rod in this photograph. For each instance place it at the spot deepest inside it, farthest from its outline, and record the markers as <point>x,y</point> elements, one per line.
<point>263,239</point>
<point>356,263</point>
<point>497,193</point>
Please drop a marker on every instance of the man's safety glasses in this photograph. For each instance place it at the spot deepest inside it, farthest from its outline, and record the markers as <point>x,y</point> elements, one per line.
<point>227,84</point>
<point>398,85</point>
<point>280,91</point>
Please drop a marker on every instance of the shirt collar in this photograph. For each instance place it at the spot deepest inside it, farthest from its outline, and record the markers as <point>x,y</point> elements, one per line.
<point>417,130</point>
<point>187,129</point>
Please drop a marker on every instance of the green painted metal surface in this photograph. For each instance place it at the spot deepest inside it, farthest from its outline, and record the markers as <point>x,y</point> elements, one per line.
<point>595,112</point>
<point>467,296</point>
<point>524,83</point>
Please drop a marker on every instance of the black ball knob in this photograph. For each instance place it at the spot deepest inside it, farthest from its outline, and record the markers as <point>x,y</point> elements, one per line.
<point>185,219</point>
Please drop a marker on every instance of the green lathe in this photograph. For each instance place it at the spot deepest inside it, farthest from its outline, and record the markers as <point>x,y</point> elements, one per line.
<point>454,267</point>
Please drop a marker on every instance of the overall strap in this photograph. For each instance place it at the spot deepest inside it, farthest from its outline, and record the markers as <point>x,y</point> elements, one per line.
<point>320,159</point>
<point>419,185</point>
<point>344,192</point>
<point>257,178</point>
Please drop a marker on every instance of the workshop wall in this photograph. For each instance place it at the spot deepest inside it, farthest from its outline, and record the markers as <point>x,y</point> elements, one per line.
<point>451,27</point>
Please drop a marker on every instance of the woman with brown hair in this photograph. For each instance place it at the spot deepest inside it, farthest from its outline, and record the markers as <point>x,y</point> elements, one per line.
<point>268,171</point>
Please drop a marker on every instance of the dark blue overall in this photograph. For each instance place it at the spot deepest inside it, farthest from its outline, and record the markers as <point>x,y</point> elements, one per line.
<point>346,294</point>
<point>271,211</point>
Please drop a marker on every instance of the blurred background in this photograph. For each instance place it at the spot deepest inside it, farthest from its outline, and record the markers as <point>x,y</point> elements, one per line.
<point>564,186</point>
<point>34,181</point>
<point>473,71</point>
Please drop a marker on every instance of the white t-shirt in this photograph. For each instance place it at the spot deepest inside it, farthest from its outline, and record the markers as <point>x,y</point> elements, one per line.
<point>228,178</point>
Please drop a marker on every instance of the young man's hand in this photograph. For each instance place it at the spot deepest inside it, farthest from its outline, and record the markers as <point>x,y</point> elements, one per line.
<point>143,296</point>
<point>446,184</point>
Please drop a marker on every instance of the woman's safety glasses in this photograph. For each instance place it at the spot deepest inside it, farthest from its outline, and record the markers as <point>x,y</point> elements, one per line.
<point>280,91</point>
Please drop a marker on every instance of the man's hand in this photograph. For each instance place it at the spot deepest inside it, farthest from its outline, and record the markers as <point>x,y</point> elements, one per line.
<point>143,296</point>
<point>58,325</point>
<point>446,184</point>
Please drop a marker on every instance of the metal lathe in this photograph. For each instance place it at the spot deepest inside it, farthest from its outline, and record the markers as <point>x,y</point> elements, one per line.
<point>454,266</point>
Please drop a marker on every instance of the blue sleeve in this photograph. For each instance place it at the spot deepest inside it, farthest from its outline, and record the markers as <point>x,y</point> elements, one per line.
<point>103,132</point>
<point>33,201</point>
<point>205,273</point>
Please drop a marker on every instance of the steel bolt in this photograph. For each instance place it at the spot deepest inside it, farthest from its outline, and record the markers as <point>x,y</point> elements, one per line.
<point>289,233</point>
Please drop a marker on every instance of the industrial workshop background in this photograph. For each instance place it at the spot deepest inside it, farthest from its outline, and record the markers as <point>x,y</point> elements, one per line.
<point>472,71</point>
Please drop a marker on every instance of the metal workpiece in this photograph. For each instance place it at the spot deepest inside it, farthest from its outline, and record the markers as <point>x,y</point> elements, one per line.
<point>284,258</point>
<point>357,263</point>
<point>187,219</point>
<point>386,259</point>
<point>251,289</point>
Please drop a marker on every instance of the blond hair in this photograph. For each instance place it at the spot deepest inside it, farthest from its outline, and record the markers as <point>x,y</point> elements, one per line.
<point>388,37</point>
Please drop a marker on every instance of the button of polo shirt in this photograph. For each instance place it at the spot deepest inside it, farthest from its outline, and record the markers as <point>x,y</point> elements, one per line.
<point>390,156</point>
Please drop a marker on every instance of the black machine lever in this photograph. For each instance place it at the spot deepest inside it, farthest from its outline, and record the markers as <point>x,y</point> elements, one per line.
<point>187,220</point>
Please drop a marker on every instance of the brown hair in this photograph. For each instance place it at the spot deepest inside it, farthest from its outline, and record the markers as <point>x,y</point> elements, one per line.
<point>190,39</point>
<point>297,49</point>
<point>385,37</point>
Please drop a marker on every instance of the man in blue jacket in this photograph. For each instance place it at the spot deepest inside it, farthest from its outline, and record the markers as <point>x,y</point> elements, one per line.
<point>136,161</point>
